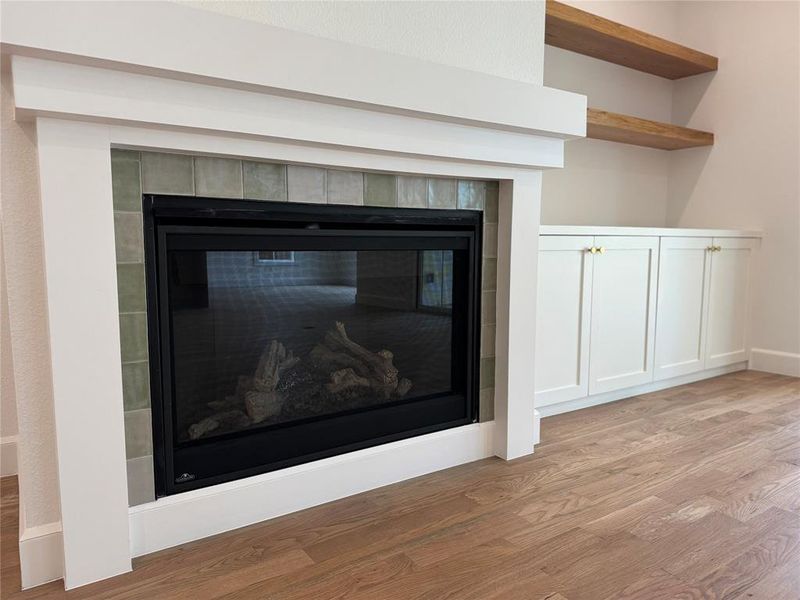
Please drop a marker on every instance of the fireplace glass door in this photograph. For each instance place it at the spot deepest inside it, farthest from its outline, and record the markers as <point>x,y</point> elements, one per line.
<point>284,344</point>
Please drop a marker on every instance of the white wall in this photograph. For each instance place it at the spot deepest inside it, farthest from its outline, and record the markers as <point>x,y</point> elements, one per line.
<point>606,183</point>
<point>22,234</point>
<point>750,176</point>
<point>501,38</point>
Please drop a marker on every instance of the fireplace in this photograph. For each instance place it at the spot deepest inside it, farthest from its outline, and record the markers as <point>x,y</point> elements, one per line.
<point>284,333</point>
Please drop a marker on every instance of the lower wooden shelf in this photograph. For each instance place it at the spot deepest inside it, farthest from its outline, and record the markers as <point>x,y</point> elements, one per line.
<point>614,127</point>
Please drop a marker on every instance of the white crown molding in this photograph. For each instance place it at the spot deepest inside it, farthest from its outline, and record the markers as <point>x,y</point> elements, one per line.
<point>289,63</point>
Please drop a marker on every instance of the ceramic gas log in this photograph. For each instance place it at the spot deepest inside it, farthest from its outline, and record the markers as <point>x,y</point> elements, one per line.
<point>337,374</point>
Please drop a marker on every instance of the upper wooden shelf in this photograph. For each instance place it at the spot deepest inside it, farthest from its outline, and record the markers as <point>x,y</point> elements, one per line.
<point>614,127</point>
<point>579,31</point>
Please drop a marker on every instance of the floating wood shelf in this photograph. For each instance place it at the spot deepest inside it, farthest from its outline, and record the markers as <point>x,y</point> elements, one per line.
<point>579,31</point>
<point>604,125</point>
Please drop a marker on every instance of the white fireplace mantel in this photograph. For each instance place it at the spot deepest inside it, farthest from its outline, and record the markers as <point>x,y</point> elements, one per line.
<point>91,86</point>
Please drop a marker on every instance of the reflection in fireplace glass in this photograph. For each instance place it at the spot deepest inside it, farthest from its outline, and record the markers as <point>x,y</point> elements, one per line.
<point>268,337</point>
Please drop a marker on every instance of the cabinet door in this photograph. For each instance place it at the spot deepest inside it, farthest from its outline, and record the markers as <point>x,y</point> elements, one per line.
<point>683,276</point>
<point>623,313</point>
<point>728,299</point>
<point>562,317</point>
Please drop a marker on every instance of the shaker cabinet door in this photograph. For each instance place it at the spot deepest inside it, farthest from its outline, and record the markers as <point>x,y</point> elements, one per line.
<point>683,278</point>
<point>623,313</point>
<point>728,301</point>
<point>562,317</point>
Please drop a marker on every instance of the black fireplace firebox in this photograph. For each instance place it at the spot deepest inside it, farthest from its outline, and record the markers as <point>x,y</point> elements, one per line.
<point>283,333</point>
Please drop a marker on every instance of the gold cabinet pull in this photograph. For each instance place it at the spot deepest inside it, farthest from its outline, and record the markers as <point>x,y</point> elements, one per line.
<point>711,249</point>
<point>718,248</point>
<point>601,249</point>
<point>592,250</point>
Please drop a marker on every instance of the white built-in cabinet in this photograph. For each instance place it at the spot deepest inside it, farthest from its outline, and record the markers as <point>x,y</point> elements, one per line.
<point>618,312</point>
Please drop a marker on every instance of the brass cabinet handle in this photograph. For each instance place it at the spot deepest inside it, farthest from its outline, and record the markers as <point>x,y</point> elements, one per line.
<point>596,250</point>
<point>710,248</point>
<point>592,250</point>
<point>718,248</point>
<point>601,249</point>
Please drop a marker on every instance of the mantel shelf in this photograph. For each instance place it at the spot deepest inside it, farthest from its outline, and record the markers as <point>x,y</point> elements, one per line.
<point>582,32</point>
<point>614,127</point>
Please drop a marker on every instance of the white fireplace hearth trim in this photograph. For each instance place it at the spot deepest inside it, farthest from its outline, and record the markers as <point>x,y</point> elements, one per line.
<point>83,108</point>
<point>184,517</point>
<point>74,159</point>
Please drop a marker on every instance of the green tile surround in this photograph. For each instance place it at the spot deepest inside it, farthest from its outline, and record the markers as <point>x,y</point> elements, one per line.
<point>380,190</point>
<point>135,173</point>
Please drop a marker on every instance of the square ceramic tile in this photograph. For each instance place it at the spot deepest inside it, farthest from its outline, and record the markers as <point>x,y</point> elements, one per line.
<point>136,385</point>
<point>126,181</point>
<point>133,336</point>
<point>486,409</point>
<point>306,184</point>
<point>441,193</point>
<point>138,433</point>
<point>490,207</point>
<point>164,173</point>
<point>264,181</point>
<point>471,194</point>
<point>380,189</point>
<point>487,372</point>
<point>218,177</point>
<point>141,480</point>
<point>345,187</point>
<point>412,192</point>
<point>128,237</point>
<point>489,307</point>
<point>130,287</point>
<point>489,274</point>
<point>490,240</point>
<point>488,334</point>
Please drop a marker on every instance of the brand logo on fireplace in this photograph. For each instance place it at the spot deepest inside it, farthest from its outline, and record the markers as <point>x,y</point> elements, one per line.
<point>184,478</point>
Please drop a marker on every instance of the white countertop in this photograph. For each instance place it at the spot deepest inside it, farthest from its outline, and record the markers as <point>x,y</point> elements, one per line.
<point>654,231</point>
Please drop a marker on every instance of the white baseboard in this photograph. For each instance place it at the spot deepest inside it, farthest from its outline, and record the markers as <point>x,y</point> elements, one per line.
<point>655,386</point>
<point>774,361</point>
<point>41,555</point>
<point>8,456</point>
<point>200,513</point>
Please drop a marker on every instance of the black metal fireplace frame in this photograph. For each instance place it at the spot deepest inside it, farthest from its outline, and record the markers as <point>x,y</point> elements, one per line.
<point>176,214</point>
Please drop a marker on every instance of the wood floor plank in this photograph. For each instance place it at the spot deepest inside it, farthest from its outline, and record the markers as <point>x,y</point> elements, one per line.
<point>690,492</point>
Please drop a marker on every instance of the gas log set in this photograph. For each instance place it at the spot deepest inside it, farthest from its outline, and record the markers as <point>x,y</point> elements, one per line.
<point>338,374</point>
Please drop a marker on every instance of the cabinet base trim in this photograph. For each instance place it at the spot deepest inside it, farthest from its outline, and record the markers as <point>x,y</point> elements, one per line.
<point>774,361</point>
<point>655,386</point>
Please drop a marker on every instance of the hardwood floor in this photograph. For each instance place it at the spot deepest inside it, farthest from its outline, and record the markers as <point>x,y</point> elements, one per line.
<point>693,492</point>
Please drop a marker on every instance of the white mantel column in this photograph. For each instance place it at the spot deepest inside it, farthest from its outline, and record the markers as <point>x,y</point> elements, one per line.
<point>517,252</point>
<point>80,275</point>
